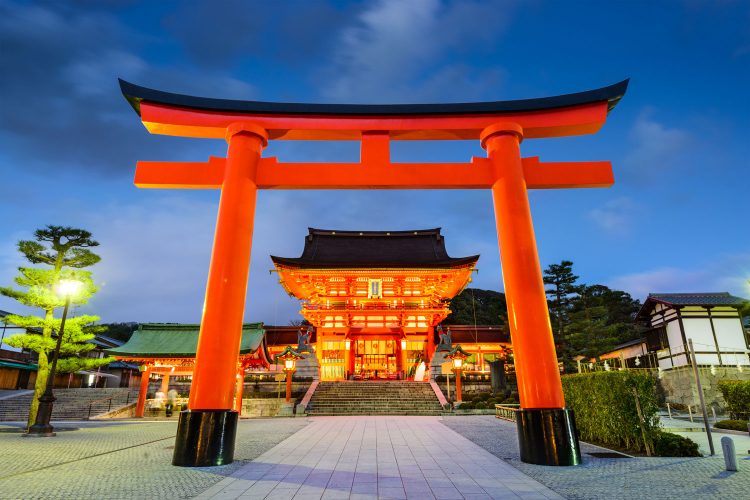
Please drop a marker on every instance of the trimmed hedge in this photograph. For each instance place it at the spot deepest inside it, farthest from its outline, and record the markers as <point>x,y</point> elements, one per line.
<point>605,408</point>
<point>486,400</point>
<point>674,445</point>
<point>734,425</point>
<point>737,395</point>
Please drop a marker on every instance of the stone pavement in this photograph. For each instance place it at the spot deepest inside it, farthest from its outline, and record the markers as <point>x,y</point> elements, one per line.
<point>607,478</point>
<point>377,457</point>
<point>339,457</point>
<point>120,460</point>
<point>697,432</point>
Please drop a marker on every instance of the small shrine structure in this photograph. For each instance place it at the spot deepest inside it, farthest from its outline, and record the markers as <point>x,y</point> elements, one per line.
<point>168,350</point>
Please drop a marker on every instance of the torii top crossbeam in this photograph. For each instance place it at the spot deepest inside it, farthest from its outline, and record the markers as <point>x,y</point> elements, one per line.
<point>373,125</point>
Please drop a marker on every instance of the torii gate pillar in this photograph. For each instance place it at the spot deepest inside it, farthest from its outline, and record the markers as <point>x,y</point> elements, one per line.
<point>206,434</point>
<point>546,429</point>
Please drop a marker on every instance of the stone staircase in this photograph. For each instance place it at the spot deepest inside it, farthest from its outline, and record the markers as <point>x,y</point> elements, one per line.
<point>373,398</point>
<point>71,404</point>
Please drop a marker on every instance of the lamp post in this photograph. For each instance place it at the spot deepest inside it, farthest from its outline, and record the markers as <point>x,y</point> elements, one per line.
<point>42,427</point>
<point>458,356</point>
<point>289,357</point>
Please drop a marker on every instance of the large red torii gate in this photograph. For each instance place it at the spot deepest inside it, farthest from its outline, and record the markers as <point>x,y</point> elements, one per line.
<point>206,431</point>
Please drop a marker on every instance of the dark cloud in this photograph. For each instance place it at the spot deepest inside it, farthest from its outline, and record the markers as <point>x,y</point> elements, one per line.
<point>61,106</point>
<point>228,32</point>
<point>396,51</point>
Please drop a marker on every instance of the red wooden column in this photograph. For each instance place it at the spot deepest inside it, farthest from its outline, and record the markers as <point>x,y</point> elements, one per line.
<point>240,390</point>
<point>164,384</point>
<point>140,406</point>
<point>545,429</point>
<point>206,432</point>
<point>224,307</point>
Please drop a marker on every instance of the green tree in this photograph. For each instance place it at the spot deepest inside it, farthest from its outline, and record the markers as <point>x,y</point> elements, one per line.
<point>599,320</point>
<point>559,294</point>
<point>64,251</point>
<point>117,331</point>
<point>476,306</point>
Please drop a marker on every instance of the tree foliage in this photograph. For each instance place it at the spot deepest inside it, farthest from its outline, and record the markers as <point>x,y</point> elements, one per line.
<point>587,320</point>
<point>65,252</point>
<point>562,283</point>
<point>476,306</point>
<point>117,331</point>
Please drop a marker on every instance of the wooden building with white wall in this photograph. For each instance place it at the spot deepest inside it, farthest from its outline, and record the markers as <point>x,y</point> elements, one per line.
<point>711,320</point>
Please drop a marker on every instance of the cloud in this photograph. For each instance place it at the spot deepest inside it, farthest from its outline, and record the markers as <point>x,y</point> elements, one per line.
<point>396,51</point>
<point>615,216</point>
<point>221,34</point>
<point>726,273</point>
<point>60,100</point>
<point>656,149</point>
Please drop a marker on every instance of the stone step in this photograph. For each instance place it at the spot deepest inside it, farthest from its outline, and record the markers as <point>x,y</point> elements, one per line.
<point>374,398</point>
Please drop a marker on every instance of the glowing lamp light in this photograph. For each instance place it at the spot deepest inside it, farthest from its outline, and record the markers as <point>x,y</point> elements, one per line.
<point>348,345</point>
<point>403,345</point>
<point>68,288</point>
<point>289,357</point>
<point>458,356</point>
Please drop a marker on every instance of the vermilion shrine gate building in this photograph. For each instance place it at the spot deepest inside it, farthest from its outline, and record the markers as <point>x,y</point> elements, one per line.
<point>374,297</point>
<point>546,428</point>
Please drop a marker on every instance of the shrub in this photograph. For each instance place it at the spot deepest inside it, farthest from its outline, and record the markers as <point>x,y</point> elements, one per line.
<point>667,444</point>
<point>737,395</point>
<point>467,405</point>
<point>605,407</point>
<point>735,425</point>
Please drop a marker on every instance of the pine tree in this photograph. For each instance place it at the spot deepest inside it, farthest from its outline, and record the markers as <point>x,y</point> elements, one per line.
<point>600,319</point>
<point>65,250</point>
<point>563,282</point>
<point>477,306</point>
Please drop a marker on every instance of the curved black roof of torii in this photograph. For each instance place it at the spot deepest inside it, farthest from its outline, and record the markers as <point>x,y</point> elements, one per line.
<point>326,248</point>
<point>135,94</point>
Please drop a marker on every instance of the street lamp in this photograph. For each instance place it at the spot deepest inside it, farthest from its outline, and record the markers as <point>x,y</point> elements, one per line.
<point>458,356</point>
<point>289,356</point>
<point>42,427</point>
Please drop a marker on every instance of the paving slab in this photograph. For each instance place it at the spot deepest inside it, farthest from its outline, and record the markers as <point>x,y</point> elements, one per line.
<point>120,460</point>
<point>607,478</point>
<point>378,457</point>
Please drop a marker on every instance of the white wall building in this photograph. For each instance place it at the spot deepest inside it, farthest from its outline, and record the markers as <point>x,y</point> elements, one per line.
<point>711,320</point>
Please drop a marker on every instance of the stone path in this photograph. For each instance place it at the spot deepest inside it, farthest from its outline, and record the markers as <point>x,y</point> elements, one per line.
<point>377,457</point>
<point>120,460</point>
<point>608,478</point>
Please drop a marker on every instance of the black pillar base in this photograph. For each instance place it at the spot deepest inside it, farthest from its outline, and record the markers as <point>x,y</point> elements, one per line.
<point>205,438</point>
<point>548,436</point>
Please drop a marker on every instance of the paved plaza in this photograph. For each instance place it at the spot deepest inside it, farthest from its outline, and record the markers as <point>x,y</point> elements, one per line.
<point>378,457</point>
<point>340,457</point>
<point>607,478</point>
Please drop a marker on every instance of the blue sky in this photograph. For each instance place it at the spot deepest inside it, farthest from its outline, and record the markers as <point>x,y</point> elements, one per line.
<point>675,221</point>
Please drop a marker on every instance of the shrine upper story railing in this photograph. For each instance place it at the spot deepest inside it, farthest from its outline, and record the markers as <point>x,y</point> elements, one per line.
<point>374,307</point>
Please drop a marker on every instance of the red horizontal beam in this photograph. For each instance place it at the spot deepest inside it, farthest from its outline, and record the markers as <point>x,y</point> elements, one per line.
<point>378,174</point>
<point>557,122</point>
<point>180,175</point>
<point>555,175</point>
